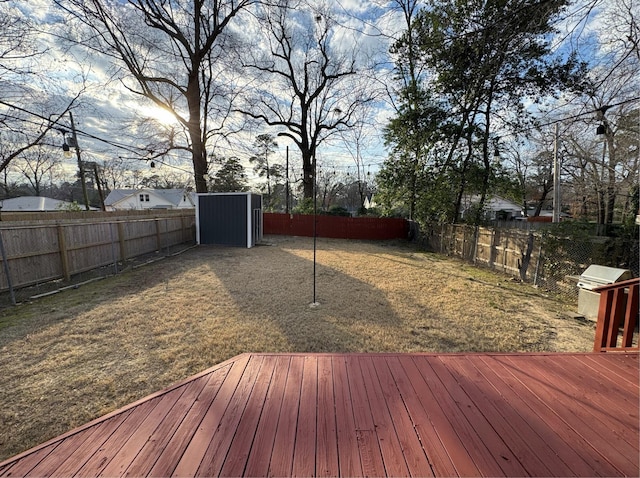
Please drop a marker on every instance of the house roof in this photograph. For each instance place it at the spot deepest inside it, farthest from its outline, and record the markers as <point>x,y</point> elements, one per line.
<point>172,196</point>
<point>492,203</point>
<point>33,203</point>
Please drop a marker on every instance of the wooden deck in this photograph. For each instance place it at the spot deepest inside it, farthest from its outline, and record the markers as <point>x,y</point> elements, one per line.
<point>374,415</point>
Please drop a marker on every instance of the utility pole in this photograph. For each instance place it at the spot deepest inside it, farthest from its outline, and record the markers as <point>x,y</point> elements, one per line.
<point>92,165</point>
<point>80,166</point>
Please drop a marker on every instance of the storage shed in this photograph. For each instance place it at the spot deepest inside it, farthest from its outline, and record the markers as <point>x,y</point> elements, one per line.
<point>230,219</point>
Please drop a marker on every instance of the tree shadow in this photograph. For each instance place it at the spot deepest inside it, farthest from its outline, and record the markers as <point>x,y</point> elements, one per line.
<point>276,289</point>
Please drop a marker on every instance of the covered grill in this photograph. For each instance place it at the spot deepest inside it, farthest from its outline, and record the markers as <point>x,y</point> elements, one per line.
<point>596,276</point>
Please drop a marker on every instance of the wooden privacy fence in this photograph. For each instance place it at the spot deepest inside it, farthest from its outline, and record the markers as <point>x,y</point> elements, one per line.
<point>546,260</point>
<point>511,251</point>
<point>32,254</point>
<point>372,228</point>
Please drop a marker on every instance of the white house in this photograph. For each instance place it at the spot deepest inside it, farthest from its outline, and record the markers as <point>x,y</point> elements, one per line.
<point>369,202</point>
<point>495,207</point>
<point>119,199</point>
<point>34,203</point>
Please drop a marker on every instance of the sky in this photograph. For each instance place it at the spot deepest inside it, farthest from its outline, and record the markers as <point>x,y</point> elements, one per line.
<point>106,107</point>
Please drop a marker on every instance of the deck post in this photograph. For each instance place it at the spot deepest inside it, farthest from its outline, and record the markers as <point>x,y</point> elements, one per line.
<point>617,307</point>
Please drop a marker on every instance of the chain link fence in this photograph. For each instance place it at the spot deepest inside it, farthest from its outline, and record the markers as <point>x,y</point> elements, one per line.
<point>546,259</point>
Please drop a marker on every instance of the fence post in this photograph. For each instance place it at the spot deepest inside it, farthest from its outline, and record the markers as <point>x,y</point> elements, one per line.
<point>6,270</point>
<point>505,251</point>
<point>158,236</point>
<point>166,234</point>
<point>183,230</point>
<point>492,248</point>
<point>64,256</point>
<point>538,259</point>
<point>113,248</point>
<point>476,240</point>
<point>122,240</point>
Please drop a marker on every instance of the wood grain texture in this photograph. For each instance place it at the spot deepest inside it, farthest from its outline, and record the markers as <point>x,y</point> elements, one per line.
<point>368,415</point>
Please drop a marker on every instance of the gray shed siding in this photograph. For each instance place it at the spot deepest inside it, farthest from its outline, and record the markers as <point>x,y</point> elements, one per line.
<point>223,220</point>
<point>229,219</point>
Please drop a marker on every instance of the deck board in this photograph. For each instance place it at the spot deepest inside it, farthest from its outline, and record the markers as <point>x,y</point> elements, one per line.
<point>326,428</point>
<point>262,449</point>
<point>396,463</point>
<point>348,449</point>
<point>304,455</point>
<point>282,457</point>
<point>519,438</point>
<point>574,412</point>
<point>368,415</point>
<point>370,454</point>
<point>563,437</point>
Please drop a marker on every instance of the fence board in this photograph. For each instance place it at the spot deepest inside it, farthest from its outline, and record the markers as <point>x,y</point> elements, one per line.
<point>525,254</point>
<point>50,250</point>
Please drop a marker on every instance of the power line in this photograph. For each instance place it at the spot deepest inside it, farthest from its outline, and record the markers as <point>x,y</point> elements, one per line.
<point>131,149</point>
<point>569,118</point>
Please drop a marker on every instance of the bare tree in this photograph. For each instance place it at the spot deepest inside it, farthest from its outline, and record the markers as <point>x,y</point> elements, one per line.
<point>606,163</point>
<point>171,53</point>
<point>18,49</point>
<point>329,187</point>
<point>27,114</point>
<point>265,145</point>
<point>307,81</point>
<point>602,168</point>
<point>29,129</point>
<point>356,140</point>
<point>38,166</point>
<point>114,173</point>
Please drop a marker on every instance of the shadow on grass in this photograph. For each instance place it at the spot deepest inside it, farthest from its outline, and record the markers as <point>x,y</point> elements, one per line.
<point>274,291</point>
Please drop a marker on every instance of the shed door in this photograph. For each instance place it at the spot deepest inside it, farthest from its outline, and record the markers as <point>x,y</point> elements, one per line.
<point>257,227</point>
<point>223,220</point>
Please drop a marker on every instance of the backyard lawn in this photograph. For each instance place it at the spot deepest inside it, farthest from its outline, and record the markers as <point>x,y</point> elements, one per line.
<point>76,355</point>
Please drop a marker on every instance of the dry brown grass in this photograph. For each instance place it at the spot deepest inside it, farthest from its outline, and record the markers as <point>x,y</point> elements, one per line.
<point>73,356</point>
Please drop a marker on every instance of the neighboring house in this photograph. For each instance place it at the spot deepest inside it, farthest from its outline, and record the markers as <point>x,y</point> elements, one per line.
<point>119,199</point>
<point>495,207</point>
<point>35,203</point>
<point>369,202</point>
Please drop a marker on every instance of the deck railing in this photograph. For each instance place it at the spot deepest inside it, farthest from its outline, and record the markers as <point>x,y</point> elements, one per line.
<point>618,309</point>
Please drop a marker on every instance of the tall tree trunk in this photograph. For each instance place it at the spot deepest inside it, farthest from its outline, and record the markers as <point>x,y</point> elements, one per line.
<point>308,167</point>
<point>610,191</point>
<point>199,153</point>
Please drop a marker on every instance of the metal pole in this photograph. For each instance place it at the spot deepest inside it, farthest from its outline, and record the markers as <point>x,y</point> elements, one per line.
<point>556,178</point>
<point>315,224</point>
<point>80,166</point>
<point>287,191</point>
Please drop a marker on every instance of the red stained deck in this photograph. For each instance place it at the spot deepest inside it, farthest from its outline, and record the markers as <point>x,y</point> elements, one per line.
<point>375,415</point>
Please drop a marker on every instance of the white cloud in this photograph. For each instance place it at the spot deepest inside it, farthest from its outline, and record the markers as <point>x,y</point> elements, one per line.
<point>106,106</point>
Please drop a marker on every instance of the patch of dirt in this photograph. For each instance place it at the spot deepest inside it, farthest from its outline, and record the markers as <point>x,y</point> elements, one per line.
<point>70,357</point>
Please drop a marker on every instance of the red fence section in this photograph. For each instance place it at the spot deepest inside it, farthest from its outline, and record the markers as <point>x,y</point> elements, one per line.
<point>373,228</point>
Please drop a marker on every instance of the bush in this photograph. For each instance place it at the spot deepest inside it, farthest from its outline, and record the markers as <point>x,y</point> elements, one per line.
<point>338,211</point>
<point>304,207</point>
